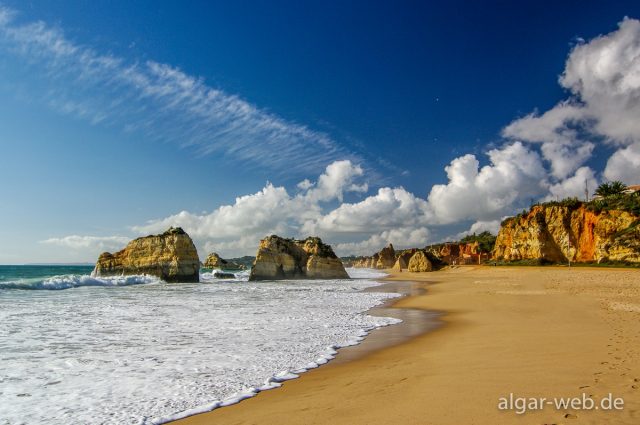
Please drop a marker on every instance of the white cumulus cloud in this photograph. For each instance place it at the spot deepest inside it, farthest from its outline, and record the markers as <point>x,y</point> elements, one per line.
<point>603,76</point>
<point>515,174</point>
<point>400,237</point>
<point>624,165</point>
<point>236,229</point>
<point>89,246</point>
<point>492,226</point>
<point>386,210</point>
<point>582,180</point>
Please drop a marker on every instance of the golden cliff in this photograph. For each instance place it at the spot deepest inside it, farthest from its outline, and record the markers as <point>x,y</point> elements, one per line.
<point>171,256</point>
<point>419,262</point>
<point>445,253</point>
<point>557,233</point>
<point>386,258</point>
<point>280,258</point>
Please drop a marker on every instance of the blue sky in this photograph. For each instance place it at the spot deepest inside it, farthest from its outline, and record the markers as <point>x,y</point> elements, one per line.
<point>122,118</point>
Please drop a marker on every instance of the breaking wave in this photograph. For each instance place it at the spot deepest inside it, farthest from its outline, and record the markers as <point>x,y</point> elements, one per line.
<point>75,281</point>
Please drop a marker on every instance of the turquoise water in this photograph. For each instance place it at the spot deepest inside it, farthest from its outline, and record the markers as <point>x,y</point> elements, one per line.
<point>53,277</point>
<point>34,272</point>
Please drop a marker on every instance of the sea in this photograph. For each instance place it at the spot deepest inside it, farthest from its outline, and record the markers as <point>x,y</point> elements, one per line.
<point>136,350</point>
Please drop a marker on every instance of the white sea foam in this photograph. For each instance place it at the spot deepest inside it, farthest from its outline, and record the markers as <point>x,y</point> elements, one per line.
<point>211,277</point>
<point>153,353</point>
<point>75,281</point>
<point>358,273</point>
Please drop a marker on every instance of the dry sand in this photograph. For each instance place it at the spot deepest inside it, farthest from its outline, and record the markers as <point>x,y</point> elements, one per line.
<point>534,332</point>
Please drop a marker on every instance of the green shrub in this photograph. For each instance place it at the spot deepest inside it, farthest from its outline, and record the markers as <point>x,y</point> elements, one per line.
<point>621,201</point>
<point>486,241</point>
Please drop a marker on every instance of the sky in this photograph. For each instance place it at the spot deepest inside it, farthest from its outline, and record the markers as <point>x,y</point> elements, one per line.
<point>363,123</point>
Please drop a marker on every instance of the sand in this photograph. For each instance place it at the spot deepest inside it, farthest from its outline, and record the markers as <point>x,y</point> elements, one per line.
<point>533,332</point>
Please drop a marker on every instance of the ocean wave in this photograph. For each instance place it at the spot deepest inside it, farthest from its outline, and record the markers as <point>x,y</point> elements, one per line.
<point>358,273</point>
<point>214,276</point>
<point>210,345</point>
<point>75,281</point>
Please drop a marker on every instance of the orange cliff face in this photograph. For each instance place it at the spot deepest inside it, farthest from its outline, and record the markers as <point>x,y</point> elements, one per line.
<point>560,233</point>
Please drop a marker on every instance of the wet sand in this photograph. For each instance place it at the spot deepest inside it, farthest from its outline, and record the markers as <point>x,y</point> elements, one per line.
<point>415,321</point>
<point>534,332</point>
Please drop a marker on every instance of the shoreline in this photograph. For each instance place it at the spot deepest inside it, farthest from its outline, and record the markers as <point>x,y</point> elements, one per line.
<point>545,332</point>
<point>415,321</point>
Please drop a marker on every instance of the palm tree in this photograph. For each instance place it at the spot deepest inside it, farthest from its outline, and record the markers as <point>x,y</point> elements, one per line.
<point>612,188</point>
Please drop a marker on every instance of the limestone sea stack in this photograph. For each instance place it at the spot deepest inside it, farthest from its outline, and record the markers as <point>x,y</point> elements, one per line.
<point>171,256</point>
<point>214,261</point>
<point>279,258</point>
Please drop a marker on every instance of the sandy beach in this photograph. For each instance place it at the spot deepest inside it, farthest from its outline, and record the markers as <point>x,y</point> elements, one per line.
<point>546,332</point>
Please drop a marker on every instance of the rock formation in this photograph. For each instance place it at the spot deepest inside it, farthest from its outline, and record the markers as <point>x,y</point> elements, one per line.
<point>171,256</point>
<point>399,265</point>
<point>361,262</point>
<point>386,257</point>
<point>472,248</point>
<point>214,261</point>
<point>439,255</point>
<point>280,258</point>
<point>407,254</point>
<point>557,233</point>
<point>420,263</point>
<point>458,252</point>
<point>402,259</point>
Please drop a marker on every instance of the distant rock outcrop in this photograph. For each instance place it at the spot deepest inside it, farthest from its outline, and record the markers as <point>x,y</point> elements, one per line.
<point>439,255</point>
<point>420,263</point>
<point>171,256</point>
<point>280,258</point>
<point>373,264</point>
<point>403,257</point>
<point>399,265</point>
<point>386,257</point>
<point>558,233</point>
<point>360,262</point>
<point>214,261</point>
